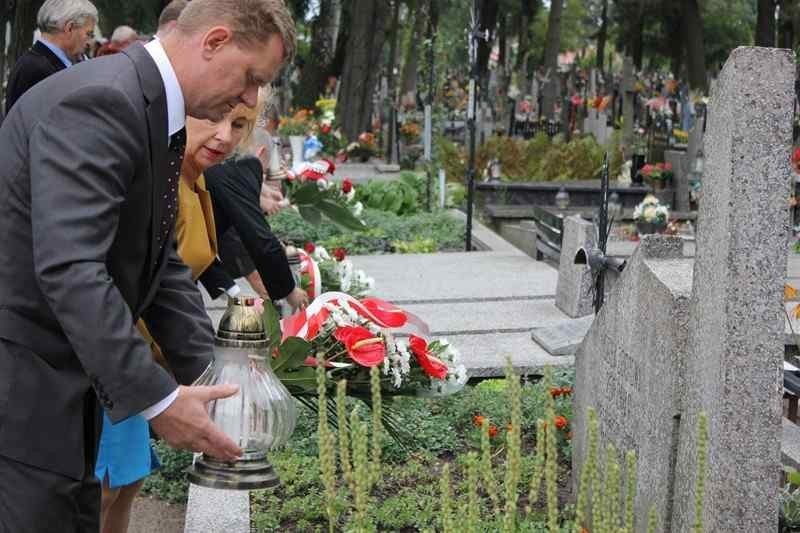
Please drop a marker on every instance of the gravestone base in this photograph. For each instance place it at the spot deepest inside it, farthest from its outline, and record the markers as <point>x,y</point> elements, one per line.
<point>562,338</point>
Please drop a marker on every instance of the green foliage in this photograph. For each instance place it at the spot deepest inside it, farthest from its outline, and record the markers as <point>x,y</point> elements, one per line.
<point>170,482</point>
<point>538,159</point>
<point>401,197</point>
<point>384,229</point>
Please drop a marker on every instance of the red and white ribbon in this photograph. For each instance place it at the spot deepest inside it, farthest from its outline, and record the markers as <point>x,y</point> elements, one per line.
<point>307,322</point>
<point>310,267</point>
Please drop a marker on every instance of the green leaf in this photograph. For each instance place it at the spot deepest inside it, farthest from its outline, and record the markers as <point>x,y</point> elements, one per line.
<point>272,325</point>
<point>302,378</point>
<point>340,215</point>
<point>291,354</point>
<point>308,193</point>
<point>310,214</point>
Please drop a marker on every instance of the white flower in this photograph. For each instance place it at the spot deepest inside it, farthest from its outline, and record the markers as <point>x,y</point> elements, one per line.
<point>358,208</point>
<point>350,195</point>
<point>324,184</point>
<point>321,254</point>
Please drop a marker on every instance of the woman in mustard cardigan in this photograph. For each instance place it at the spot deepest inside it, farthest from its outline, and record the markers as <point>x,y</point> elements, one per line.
<point>125,457</point>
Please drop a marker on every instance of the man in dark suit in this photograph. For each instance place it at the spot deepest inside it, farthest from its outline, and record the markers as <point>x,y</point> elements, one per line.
<point>66,26</point>
<point>88,195</point>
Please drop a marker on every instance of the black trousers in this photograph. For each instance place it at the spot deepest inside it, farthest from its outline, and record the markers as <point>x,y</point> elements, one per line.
<point>33,500</point>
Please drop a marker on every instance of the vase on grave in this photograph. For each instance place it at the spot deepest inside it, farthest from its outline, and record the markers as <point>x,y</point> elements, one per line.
<point>260,417</point>
<point>296,142</point>
<point>648,228</point>
<point>659,185</point>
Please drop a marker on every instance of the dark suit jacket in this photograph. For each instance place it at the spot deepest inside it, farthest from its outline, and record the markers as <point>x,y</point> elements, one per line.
<point>235,188</point>
<point>32,67</point>
<point>83,174</point>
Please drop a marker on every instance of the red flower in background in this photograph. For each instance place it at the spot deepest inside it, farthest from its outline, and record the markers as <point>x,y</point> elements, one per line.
<point>647,170</point>
<point>347,185</point>
<point>492,431</point>
<point>667,166</point>
<point>340,254</point>
<point>431,365</point>
<point>325,129</point>
<point>309,247</point>
<point>478,420</point>
<point>560,422</point>
<point>364,348</point>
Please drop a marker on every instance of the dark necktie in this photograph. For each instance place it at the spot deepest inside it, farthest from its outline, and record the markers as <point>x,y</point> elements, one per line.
<point>169,202</point>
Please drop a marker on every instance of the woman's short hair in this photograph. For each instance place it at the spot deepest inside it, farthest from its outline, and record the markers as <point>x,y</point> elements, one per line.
<point>251,21</point>
<point>254,117</point>
<point>55,14</point>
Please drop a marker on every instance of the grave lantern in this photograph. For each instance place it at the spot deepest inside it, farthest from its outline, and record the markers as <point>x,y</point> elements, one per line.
<point>562,198</point>
<point>260,417</point>
<point>495,170</point>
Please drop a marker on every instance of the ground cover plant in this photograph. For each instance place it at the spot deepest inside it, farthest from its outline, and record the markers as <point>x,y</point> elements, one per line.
<point>386,232</point>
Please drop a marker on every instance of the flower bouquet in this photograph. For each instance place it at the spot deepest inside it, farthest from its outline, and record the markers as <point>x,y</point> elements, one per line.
<point>297,124</point>
<point>312,191</point>
<point>410,132</point>
<point>364,148</point>
<point>355,335</point>
<point>659,174</point>
<point>650,216</point>
<point>320,272</point>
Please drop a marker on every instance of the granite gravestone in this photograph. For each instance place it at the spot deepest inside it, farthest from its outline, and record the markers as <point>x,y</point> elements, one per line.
<point>574,287</point>
<point>676,337</point>
<point>734,368</point>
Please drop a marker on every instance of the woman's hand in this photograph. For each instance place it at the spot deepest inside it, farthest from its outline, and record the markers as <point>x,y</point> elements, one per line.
<point>270,200</point>
<point>298,298</point>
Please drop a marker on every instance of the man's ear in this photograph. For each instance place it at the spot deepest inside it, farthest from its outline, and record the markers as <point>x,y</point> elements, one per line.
<point>215,39</point>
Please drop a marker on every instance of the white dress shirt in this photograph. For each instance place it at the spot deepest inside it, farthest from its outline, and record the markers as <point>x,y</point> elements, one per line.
<point>176,119</point>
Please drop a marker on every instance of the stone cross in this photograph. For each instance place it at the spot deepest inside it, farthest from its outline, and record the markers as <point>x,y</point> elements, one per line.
<point>678,336</point>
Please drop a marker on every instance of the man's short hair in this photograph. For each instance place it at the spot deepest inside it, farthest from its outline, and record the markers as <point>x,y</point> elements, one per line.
<point>171,12</point>
<point>252,21</point>
<point>55,14</point>
<point>124,34</point>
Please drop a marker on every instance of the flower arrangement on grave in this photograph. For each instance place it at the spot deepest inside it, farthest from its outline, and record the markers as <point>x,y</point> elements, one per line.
<point>650,215</point>
<point>365,147</point>
<point>660,172</point>
<point>323,272</point>
<point>410,132</point>
<point>298,124</point>
<point>313,193</point>
<point>351,336</point>
<point>599,102</point>
<point>681,136</point>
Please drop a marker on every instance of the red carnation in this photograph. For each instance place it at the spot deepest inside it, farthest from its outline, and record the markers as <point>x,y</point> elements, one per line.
<point>347,185</point>
<point>309,247</point>
<point>430,364</point>
<point>339,254</point>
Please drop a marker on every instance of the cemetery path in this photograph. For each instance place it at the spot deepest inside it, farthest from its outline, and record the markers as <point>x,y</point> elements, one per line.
<point>149,515</point>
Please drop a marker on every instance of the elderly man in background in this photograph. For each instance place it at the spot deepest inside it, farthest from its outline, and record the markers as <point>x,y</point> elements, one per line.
<point>67,26</point>
<point>169,17</point>
<point>122,37</point>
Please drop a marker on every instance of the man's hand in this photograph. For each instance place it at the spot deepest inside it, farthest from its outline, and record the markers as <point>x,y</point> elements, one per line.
<point>298,298</point>
<point>186,425</point>
<point>255,281</point>
<point>270,200</point>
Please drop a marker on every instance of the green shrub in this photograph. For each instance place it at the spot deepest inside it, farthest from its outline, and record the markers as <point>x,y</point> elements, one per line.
<point>170,482</point>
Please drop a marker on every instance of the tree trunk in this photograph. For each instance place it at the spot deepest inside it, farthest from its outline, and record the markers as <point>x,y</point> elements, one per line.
<point>527,11</point>
<point>637,35</point>
<point>786,17</point>
<point>488,23</point>
<point>391,82</point>
<point>695,49</point>
<point>324,31</point>
<point>552,47</point>
<point>409,78</point>
<point>673,25</point>
<point>765,23</point>
<point>364,52</point>
<point>602,35</point>
<point>22,28</point>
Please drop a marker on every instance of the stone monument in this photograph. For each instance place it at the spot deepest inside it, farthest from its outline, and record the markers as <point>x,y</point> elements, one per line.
<point>574,287</point>
<point>678,336</point>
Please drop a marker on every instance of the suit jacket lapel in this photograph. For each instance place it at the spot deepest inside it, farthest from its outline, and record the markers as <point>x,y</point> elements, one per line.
<point>157,124</point>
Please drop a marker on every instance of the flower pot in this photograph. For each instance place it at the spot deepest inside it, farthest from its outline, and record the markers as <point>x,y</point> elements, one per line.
<point>659,185</point>
<point>648,228</point>
<point>296,142</point>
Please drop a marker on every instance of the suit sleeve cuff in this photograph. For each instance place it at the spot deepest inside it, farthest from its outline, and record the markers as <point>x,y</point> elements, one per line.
<point>155,410</point>
<point>233,291</point>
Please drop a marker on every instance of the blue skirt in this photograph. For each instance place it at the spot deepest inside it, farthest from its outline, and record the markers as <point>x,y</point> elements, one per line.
<point>125,454</point>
